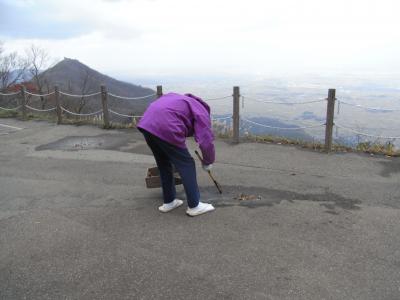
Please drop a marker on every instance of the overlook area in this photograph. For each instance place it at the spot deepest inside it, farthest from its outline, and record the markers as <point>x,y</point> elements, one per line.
<point>76,221</point>
<point>303,98</point>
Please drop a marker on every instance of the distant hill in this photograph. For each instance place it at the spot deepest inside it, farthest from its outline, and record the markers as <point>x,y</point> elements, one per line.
<point>75,77</point>
<point>23,75</point>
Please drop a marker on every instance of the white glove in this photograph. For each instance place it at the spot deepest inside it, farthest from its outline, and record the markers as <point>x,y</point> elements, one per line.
<point>207,168</point>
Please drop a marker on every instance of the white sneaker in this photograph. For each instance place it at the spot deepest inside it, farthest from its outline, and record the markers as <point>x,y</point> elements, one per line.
<point>166,207</point>
<point>199,209</point>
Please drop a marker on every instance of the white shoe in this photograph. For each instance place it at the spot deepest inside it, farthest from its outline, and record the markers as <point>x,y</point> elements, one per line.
<point>166,207</point>
<point>199,209</point>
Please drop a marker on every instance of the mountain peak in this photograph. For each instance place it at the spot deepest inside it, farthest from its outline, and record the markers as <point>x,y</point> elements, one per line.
<point>74,77</point>
<point>70,65</point>
<point>70,74</point>
<point>72,61</point>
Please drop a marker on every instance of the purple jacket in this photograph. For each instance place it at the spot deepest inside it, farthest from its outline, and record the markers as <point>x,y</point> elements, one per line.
<point>173,117</point>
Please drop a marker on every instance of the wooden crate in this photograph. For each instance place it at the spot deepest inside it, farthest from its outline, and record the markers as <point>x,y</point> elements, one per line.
<point>153,179</point>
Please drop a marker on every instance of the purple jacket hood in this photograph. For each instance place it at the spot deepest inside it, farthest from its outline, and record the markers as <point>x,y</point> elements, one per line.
<point>206,106</point>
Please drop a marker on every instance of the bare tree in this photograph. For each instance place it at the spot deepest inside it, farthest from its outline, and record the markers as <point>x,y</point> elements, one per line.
<point>84,87</point>
<point>12,71</point>
<point>84,90</point>
<point>38,59</point>
<point>12,68</point>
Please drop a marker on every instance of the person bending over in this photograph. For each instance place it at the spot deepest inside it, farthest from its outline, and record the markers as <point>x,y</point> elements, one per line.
<point>166,124</point>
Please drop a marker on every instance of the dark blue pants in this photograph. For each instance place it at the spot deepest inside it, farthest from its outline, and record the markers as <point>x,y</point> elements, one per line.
<point>167,155</point>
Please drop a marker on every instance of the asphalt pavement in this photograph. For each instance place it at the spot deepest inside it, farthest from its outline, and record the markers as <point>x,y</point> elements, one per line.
<point>77,222</point>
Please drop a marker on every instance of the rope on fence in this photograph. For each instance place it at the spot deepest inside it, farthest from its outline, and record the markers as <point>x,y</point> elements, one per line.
<point>80,96</point>
<point>41,110</point>
<point>132,98</point>
<point>10,94</point>
<point>218,98</point>
<point>283,128</point>
<point>366,134</point>
<point>123,115</point>
<point>76,114</point>
<point>367,107</point>
<point>221,118</point>
<point>39,95</point>
<point>302,122</point>
<point>288,103</point>
<point>9,109</point>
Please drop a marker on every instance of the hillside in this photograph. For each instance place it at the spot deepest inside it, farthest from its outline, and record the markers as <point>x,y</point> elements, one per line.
<point>74,77</point>
<point>274,122</point>
<point>251,129</point>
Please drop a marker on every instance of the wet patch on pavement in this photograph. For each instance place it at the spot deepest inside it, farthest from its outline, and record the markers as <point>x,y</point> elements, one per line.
<point>390,167</point>
<point>76,143</point>
<point>261,197</point>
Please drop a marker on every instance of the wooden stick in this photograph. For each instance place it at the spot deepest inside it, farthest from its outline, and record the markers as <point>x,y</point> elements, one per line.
<point>209,174</point>
<point>330,115</point>
<point>104,100</point>
<point>236,114</point>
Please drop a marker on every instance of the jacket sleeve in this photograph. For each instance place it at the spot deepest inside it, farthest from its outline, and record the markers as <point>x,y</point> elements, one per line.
<point>204,136</point>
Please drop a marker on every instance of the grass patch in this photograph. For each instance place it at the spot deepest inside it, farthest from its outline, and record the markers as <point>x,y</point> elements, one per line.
<point>41,117</point>
<point>81,122</point>
<point>270,139</point>
<point>8,114</point>
<point>387,149</point>
<point>114,125</point>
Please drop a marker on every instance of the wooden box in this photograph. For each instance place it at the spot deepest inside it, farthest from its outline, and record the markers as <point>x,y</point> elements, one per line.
<point>153,179</point>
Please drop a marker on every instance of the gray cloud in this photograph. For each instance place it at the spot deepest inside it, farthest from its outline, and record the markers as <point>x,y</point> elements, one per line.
<point>29,22</point>
<point>32,22</point>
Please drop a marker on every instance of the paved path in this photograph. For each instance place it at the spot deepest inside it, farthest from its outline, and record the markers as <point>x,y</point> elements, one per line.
<point>77,223</point>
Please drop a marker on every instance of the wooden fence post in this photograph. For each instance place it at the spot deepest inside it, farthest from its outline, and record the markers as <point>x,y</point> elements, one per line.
<point>104,98</point>
<point>58,104</point>
<point>159,91</point>
<point>330,114</point>
<point>236,113</point>
<point>23,104</point>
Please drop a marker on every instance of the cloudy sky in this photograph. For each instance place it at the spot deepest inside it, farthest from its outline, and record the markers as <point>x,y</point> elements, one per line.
<point>175,37</point>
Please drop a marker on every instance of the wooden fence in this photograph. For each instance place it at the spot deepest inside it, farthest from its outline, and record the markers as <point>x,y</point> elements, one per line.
<point>330,109</point>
